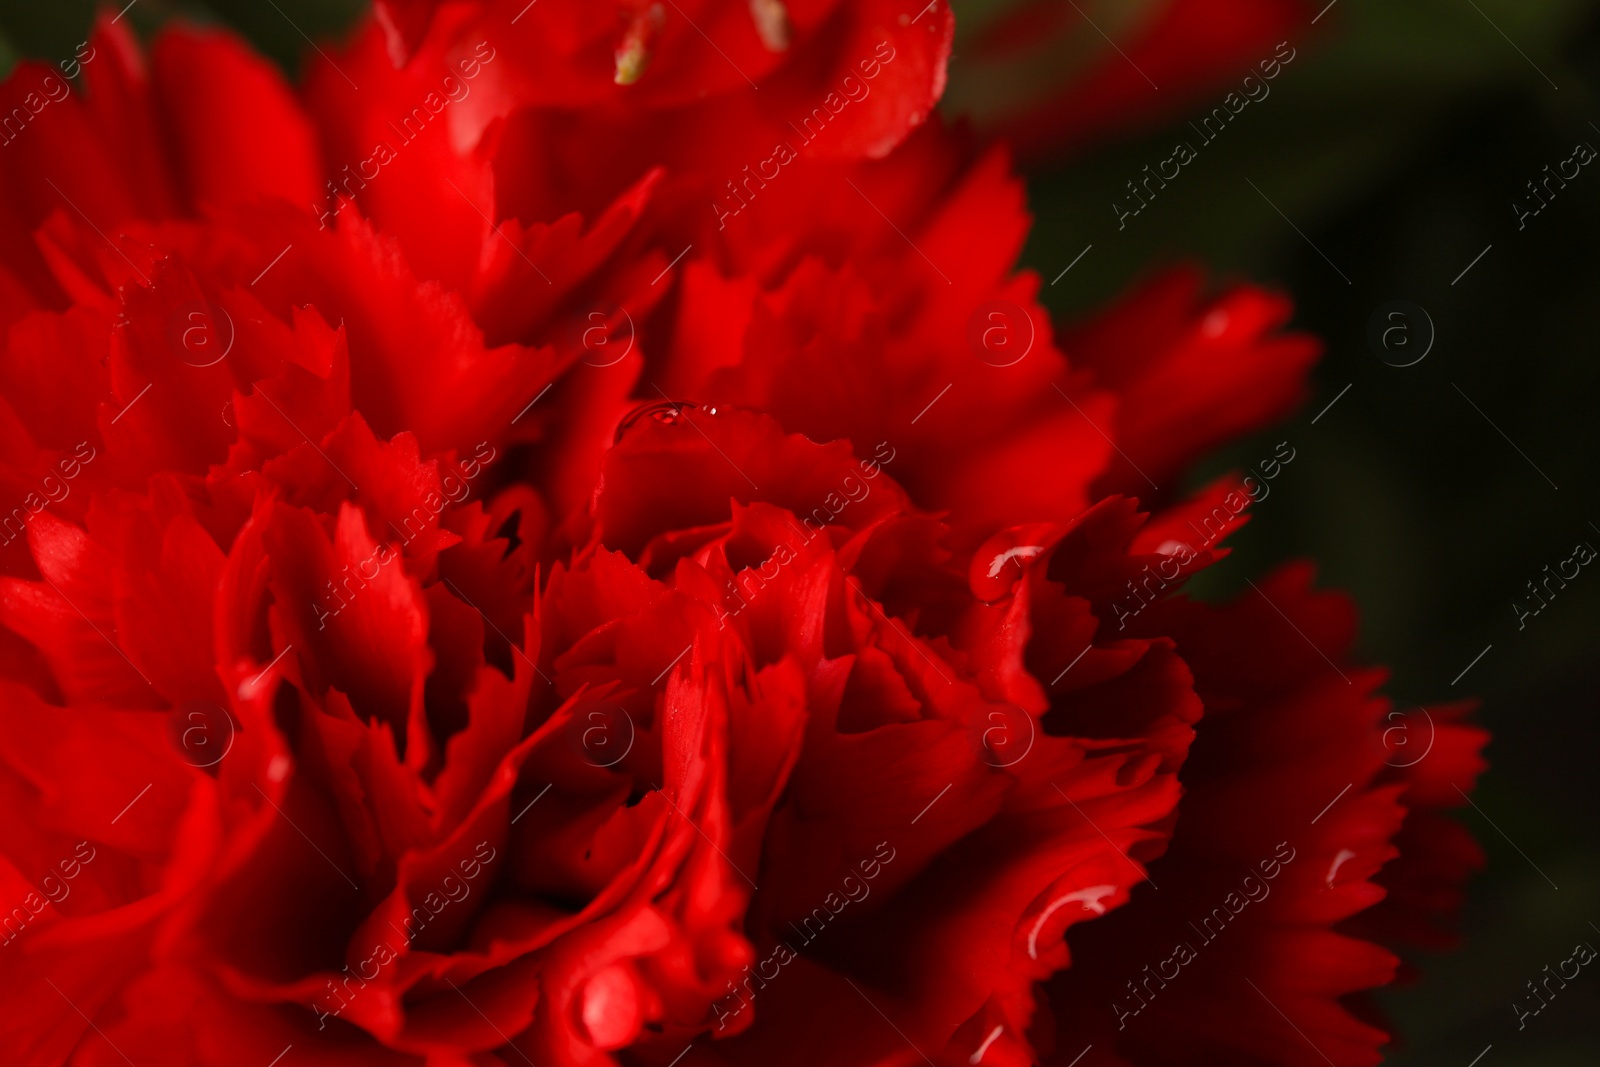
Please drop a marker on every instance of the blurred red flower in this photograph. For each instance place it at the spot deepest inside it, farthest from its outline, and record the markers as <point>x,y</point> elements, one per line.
<point>1056,79</point>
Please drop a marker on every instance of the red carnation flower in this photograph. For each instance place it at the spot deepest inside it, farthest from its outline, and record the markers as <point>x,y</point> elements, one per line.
<point>501,575</point>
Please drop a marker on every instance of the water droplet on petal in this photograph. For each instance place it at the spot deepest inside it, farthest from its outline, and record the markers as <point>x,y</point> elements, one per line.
<point>1001,561</point>
<point>666,412</point>
<point>1343,857</point>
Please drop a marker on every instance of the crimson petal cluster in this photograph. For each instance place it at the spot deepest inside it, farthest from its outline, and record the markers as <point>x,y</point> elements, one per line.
<point>520,555</point>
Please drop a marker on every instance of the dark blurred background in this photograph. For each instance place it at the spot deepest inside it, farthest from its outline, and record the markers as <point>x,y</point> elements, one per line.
<point>1395,144</point>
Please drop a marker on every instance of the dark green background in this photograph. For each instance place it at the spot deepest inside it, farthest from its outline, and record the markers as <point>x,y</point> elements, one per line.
<point>1396,141</point>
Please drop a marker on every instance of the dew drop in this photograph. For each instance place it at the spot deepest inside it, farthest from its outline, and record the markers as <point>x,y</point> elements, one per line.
<point>665,412</point>
<point>1001,561</point>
